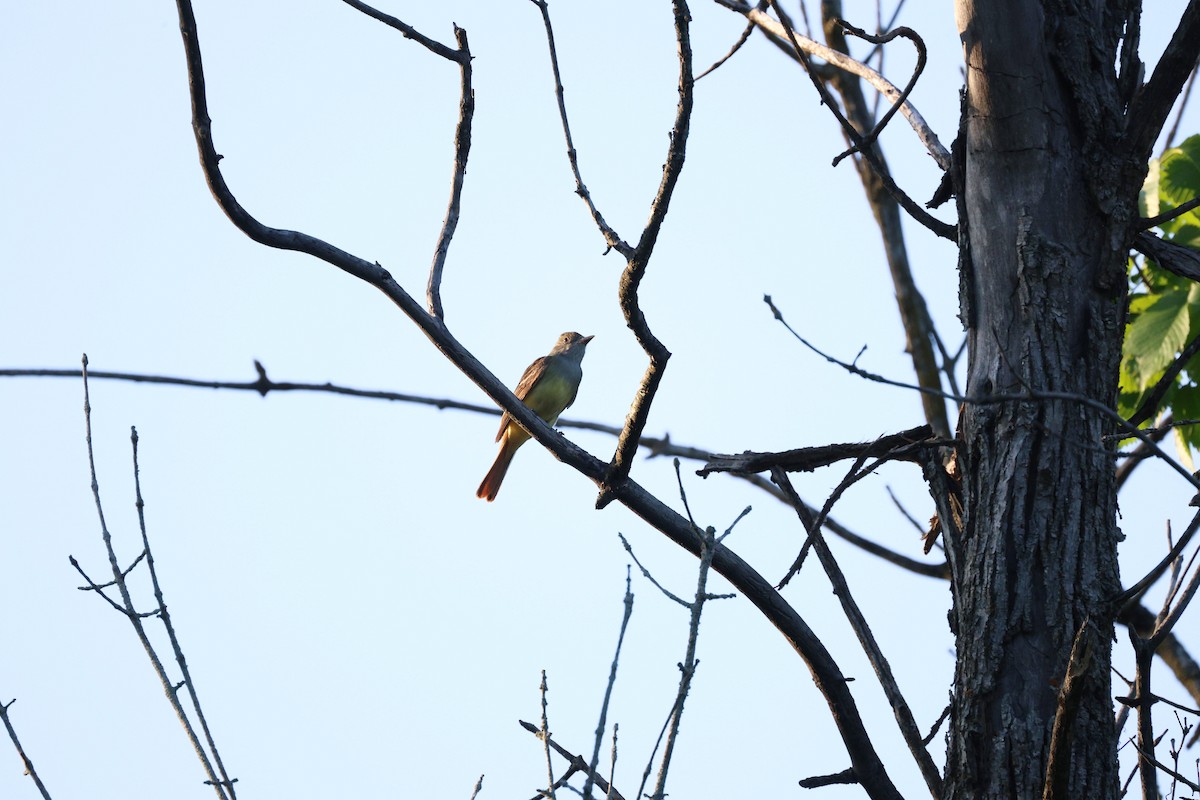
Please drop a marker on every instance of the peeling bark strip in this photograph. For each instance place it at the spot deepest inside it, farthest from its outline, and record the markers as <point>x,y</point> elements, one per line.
<point>1049,205</point>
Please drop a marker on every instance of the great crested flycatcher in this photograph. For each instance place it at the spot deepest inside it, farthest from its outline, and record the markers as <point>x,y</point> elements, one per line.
<point>548,386</point>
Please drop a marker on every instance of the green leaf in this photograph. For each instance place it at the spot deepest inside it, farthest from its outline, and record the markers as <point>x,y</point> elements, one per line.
<point>1157,334</point>
<point>1178,182</point>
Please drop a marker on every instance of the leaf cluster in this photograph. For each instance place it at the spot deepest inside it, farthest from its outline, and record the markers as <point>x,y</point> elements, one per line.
<point>1164,309</point>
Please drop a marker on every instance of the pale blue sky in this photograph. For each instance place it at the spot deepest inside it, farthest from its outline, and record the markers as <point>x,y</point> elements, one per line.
<point>358,624</point>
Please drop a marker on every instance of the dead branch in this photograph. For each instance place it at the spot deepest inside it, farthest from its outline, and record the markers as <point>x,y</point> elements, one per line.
<point>25,760</point>
<point>776,31</point>
<point>901,446</point>
<point>639,260</point>
<point>1183,261</point>
<point>602,724</point>
<point>908,33</point>
<point>222,784</point>
<point>576,762</point>
<point>858,623</point>
<point>1152,105</point>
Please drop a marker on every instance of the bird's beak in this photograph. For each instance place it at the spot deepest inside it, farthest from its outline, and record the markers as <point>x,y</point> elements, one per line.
<point>587,339</point>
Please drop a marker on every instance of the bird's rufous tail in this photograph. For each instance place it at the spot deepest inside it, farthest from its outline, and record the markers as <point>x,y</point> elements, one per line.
<point>495,476</point>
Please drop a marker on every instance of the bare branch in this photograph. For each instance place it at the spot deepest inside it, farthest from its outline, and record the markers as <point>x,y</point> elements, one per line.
<point>741,40</point>
<point>1170,649</point>
<point>25,761</point>
<point>613,239</point>
<point>544,735</point>
<point>777,32</point>
<point>576,761</point>
<point>921,336</point>
<point>656,446</point>
<point>462,149</point>
<point>945,230</point>
<point>895,446</point>
<point>1151,106</point>
<point>165,616</point>
<point>602,724</point>
<point>1175,612</point>
<point>1183,261</point>
<point>858,623</point>
<point>221,784</point>
<point>907,33</point>
<point>1167,216</point>
<point>826,674</point>
<point>638,261</point>
<point>1131,595</point>
<point>687,668</point>
<point>846,776</point>
<point>1144,703</point>
<point>462,140</point>
<point>432,45</point>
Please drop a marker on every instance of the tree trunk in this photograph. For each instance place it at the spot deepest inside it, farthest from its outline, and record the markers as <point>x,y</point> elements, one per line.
<point>1045,214</point>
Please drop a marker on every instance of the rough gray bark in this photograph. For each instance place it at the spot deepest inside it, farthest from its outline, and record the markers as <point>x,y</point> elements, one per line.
<point>1047,201</point>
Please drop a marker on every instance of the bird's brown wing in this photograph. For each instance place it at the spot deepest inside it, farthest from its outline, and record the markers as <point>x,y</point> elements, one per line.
<point>528,379</point>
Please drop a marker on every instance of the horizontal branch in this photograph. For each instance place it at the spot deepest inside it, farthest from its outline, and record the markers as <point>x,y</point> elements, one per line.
<point>1183,261</point>
<point>898,446</point>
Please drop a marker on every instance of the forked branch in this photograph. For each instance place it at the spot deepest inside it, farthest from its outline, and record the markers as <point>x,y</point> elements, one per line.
<point>827,676</point>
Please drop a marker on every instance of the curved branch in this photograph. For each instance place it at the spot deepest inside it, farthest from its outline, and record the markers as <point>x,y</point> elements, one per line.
<point>919,214</point>
<point>462,149</point>
<point>907,33</point>
<point>827,676</point>
<point>1167,216</point>
<point>774,30</point>
<point>638,261</point>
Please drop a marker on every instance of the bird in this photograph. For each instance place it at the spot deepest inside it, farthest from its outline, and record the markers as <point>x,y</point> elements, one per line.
<point>548,386</point>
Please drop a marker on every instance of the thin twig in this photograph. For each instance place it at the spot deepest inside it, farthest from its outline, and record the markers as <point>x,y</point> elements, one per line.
<point>602,724</point>
<point>1134,592</point>
<point>1030,393</point>
<point>610,235</point>
<point>165,616</point>
<point>576,761</point>
<point>1167,216</point>
<point>544,735</point>
<point>612,764</point>
<point>223,788</point>
<point>945,230</point>
<point>687,668</point>
<point>741,40</point>
<point>25,761</point>
<point>908,33</point>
